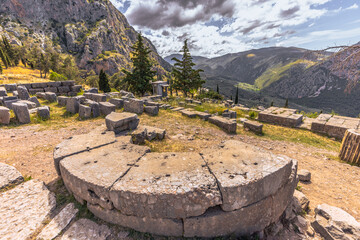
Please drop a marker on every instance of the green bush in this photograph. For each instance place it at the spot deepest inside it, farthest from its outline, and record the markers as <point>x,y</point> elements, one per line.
<point>253,114</point>
<point>210,94</point>
<point>57,77</point>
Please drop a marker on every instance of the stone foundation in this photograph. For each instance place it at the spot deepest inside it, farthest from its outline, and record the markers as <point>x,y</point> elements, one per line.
<point>234,188</point>
<point>281,116</point>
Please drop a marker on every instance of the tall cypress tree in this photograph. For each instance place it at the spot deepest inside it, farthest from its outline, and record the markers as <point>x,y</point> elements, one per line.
<point>139,80</point>
<point>217,88</point>
<point>104,82</point>
<point>237,95</point>
<point>1,70</point>
<point>186,78</point>
<point>3,57</point>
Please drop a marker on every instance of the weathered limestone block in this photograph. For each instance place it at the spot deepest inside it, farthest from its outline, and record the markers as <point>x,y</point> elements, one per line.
<point>158,226</point>
<point>178,109</point>
<point>72,94</point>
<point>84,112</point>
<point>16,94</point>
<point>54,84</point>
<point>138,136</point>
<point>106,108</point>
<point>90,174</point>
<point>304,175</point>
<point>23,93</point>
<point>51,89</point>
<point>72,105</point>
<point>86,229</point>
<point>152,110</point>
<point>203,115</point>
<point>39,85</point>
<point>98,97</point>
<point>62,100</point>
<point>24,209</point>
<point>241,168</point>
<point>95,109</point>
<point>245,221</point>
<point>155,133</point>
<point>226,124</point>
<point>4,115</point>
<point>40,95</point>
<point>59,222</point>
<point>76,88</point>
<point>197,102</point>
<point>43,112</point>
<point>300,202</point>
<point>21,111</point>
<point>81,143</point>
<point>31,105</point>
<point>119,103</point>
<point>119,122</point>
<point>134,106</point>
<point>188,113</point>
<point>9,176</point>
<point>68,83</point>
<point>166,185</point>
<point>35,100</point>
<point>3,92</point>
<point>281,116</point>
<point>34,91</point>
<point>27,85</point>
<point>334,223</point>
<point>9,103</point>
<point>50,97</point>
<point>254,126</point>
<point>63,89</point>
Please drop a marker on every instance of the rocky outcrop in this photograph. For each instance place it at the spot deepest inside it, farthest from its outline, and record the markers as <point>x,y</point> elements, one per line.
<point>94,31</point>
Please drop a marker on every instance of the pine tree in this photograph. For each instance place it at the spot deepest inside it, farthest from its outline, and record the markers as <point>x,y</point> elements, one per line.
<point>231,97</point>
<point>3,58</point>
<point>186,78</point>
<point>104,82</point>
<point>272,104</point>
<point>1,70</point>
<point>237,96</point>
<point>287,103</point>
<point>217,88</point>
<point>139,80</point>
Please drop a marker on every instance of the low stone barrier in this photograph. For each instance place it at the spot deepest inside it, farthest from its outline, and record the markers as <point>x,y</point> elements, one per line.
<point>218,192</point>
<point>281,116</point>
<point>334,126</point>
<point>224,123</point>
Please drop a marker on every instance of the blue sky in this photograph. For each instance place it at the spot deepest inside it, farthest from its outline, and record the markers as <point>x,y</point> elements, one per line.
<point>218,27</point>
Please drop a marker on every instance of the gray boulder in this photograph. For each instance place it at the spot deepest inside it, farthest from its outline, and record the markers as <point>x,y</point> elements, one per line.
<point>84,112</point>
<point>95,109</point>
<point>304,175</point>
<point>106,108</point>
<point>119,103</point>
<point>23,93</point>
<point>134,106</point>
<point>35,100</point>
<point>62,100</point>
<point>4,115</point>
<point>93,90</point>
<point>3,92</point>
<point>72,105</point>
<point>152,110</point>
<point>21,111</point>
<point>31,105</point>
<point>43,112</point>
<point>119,122</point>
<point>50,97</point>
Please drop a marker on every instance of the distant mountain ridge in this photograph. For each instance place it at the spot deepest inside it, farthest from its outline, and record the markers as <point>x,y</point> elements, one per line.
<point>95,32</point>
<point>279,73</point>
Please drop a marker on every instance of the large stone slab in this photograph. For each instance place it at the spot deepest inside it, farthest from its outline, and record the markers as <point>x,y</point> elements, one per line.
<point>166,185</point>
<point>246,174</point>
<point>245,221</point>
<point>72,105</point>
<point>9,176</point>
<point>134,106</point>
<point>224,123</point>
<point>106,108</point>
<point>203,115</point>
<point>85,229</point>
<point>119,103</point>
<point>188,113</point>
<point>119,122</point>
<point>3,92</point>
<point>59,222</point>
<point>21,112</point>
<point>81,143</point>
<point>24,208</point>
<point>23,93</point>
<point>4,115</point>
<point>158,226</point>
<point>89,175</point>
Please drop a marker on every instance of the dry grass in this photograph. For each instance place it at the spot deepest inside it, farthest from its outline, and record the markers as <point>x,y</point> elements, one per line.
<point>21,74</point>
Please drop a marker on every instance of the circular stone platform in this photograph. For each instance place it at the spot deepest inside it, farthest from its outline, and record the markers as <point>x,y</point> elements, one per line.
<point>235,188</point>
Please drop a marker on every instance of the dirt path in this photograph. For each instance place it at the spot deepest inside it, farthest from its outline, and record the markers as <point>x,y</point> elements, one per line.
<point>30,150</point>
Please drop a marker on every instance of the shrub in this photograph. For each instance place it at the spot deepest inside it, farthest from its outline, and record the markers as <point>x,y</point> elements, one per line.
<point>210,94</point>
<point>57,77</point>
<point>253,114</point>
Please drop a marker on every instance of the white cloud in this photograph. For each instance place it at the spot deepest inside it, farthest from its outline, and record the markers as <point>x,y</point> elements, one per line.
<point>245,24</point>
<point>354,6</point>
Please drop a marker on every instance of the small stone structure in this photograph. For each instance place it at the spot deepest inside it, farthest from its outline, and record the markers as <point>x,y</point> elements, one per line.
<point>235,188</point>
<point>253,126</point>
<point>4,115</point>
<point>134,106</point>
<point>224,123</point>
<point>119,122</point>
<point>281,116</point>
<point>160,88</point>
<point>334,126</point>
<point>350,151</point>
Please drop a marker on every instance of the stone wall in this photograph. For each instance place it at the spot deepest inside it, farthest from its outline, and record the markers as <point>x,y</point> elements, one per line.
<point>334,126</point>
<point>350,151</point>
<point>281,116</point>
<point>67,88</point>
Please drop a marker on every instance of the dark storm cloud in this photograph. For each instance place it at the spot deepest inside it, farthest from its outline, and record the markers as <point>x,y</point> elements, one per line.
<point>258,2</point>
<point>290,12</point>
<point>171,13</point>
<point>165,33</point>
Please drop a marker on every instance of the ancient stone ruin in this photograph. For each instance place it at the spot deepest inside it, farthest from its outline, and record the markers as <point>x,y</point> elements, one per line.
<point>281,116</point>
<point>350,151</point>
<point>234,188</point>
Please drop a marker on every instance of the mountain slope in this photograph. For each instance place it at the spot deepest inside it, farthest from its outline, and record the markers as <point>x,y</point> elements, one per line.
<point>92,30</point>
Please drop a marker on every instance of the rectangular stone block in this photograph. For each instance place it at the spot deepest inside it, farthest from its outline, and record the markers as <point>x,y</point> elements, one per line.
<point>97,97</point>
<point>68,83</point>
<point>84,112</point>
<point>254,126</point>
<point>10,87</point>
<point>225,124</point>
<point>188,113</point>
<point>34,91</point>
<point>51,89</point>
<point>119,122</point>
<point>106,108</point>
<point>63,89</point>
<point>54,84</point>
<point>119,103</point>
<point>134,106</point>
<point>4,115</point>
<point>3,92</point>
<point>21,112</point>
<point>39,85</point>
<point>76,88</point>
<point>62,100</point>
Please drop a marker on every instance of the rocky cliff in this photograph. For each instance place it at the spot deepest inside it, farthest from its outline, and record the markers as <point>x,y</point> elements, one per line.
<point>92,30</point>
